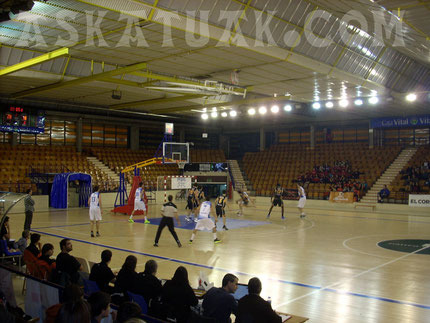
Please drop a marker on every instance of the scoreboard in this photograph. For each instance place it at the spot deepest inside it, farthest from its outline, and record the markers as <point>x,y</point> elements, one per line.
<point>22,119</point>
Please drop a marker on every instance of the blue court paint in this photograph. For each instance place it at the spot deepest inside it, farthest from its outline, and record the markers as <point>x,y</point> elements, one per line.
<point>230,223</point>
<point>383,299</point>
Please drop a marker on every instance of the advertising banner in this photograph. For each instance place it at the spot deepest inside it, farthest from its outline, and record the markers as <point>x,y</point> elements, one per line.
<point>398,122</point>
<point>419,200</point>
<point>341,197</point>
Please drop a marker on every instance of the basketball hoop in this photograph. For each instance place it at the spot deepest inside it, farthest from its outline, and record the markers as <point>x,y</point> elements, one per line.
<point>181,164</point>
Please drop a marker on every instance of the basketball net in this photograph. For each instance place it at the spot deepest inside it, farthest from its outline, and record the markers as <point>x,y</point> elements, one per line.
<point>181,164</point>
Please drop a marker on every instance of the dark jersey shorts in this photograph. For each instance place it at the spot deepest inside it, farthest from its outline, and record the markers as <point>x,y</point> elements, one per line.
<point>219,210</point>
<point>277,201</point>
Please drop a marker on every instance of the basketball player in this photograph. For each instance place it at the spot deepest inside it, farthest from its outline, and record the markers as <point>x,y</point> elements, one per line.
<point>243,201</point>
<point>139,203</point>
<point>204,221</point>
<point>95,203</point>
<point>220,203</point>
<point>302,199</point>
<point>201,195</point>
<point>277,200</point>
<point>192,203</point>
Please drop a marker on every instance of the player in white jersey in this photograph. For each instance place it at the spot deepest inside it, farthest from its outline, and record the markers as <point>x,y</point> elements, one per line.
<point>243,201</point>
<point>139,203</point>
<point>95,204</point>
<point>203,220</point>
<point>302,199</point>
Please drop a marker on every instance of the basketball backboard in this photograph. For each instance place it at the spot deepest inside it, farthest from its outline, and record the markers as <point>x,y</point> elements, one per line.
<point>174,152</point>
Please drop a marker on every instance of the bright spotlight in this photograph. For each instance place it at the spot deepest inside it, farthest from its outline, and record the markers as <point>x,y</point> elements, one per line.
<point>262,110</point>
<point>214,114</point>
<point>316,105</point>
<point>205,116</point>
<point>288,107</point>
<point>274,109</point>
<point>411,97</point>
<point>373,100</point>
<point>343,103</point>
<point>233,113</point>
<point>251,111</point>
<point>224,114</point>
<point>329,105</point>
<point>358,102</point>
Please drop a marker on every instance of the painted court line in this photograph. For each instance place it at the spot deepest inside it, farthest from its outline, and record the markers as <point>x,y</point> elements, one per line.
<point>316,288</point>
<point>330,289</point>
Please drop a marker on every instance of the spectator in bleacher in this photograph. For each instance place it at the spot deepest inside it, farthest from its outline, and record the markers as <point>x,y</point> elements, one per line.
<point>66,263</point>
<point>71,294</point>
<point>35,245</point>
<point>46,263</point>
<point>149,286</point>
<point>219,303</point>
<point>127,279</point>
<point>100,308</point>
<point>29,209</point>
<point>384,193</point>
<point>252,308</point>
<point>178,296</point>
<point>73,312</point>
<point>22,242</point>
<point>102,274</point>
<point>127,311</point>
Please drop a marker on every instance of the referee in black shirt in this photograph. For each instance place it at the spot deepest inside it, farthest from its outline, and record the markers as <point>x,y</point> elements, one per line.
<point>168,211</point>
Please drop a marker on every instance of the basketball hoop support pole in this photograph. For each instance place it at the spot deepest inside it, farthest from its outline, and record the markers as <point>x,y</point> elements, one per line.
<point>159,151</point>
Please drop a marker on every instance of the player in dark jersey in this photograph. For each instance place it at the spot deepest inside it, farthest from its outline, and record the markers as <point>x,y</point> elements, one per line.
<point>220,204</point>
<point>277,200</point>
<point>192,203</point>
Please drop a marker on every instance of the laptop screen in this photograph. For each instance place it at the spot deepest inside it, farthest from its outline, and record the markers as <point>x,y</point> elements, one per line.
<point>241,291</point>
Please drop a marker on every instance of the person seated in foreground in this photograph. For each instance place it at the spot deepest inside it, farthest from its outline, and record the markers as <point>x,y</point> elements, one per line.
<point>219,303</point>
<point>177,296</point>
<point>102,274</point>
<point>67,264</point>
<point>149,286</point>
<point>254,309</point>
<point>100,306</point>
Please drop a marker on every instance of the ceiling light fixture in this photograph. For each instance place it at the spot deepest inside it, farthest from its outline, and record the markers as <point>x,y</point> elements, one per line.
<point>233,113</point>
<point>224,114</point>
<point>205,116</point>
<point>343,103</point>
<point>251,111</point>
<point>274,109</point>
<point>358,102</point>
<point>288,107</point>
<point>262,110</point>
<point>329,105</point>
<point>214,114</point>
<point>373,100</point>
<point>411,97</point>
<point>316,105</point>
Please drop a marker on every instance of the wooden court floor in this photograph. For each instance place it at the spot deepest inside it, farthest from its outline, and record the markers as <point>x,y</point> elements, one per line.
<point>327,266</point>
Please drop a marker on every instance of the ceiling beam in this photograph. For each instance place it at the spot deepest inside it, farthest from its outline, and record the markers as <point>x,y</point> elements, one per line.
<point>225,104</point>
<point>155,101</point>
<point>82,80</point>
<point>35,61</point>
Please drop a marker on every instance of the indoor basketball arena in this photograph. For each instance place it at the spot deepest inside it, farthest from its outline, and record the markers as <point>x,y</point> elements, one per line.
<point>283,143</point>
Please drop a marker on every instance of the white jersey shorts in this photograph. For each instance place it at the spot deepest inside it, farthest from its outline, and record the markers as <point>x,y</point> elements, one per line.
<point>205,224</point>
<point>95,214</point>
<point>302,202</point>
<point>139,205</point>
